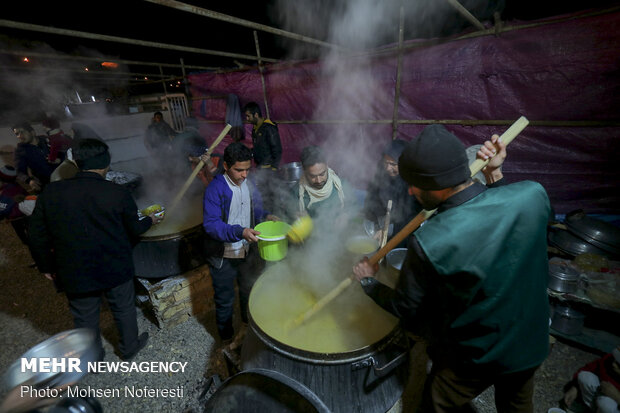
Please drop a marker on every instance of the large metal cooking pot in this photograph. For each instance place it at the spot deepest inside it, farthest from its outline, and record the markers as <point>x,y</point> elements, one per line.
<point>352,354</point>
<point>78,343</point>
<point>174,246</point>
<point>263,391</point>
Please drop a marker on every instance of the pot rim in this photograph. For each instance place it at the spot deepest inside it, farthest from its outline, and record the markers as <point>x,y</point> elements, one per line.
<point>176,235</point>
<point>324,358</point>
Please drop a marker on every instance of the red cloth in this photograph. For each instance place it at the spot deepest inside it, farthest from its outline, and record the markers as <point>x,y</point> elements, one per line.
<point>7,194</point>
<point>603,369</point>
<point>59,144</point>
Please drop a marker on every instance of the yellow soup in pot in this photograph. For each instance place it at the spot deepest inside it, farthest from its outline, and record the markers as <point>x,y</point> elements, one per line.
<point>350,322</point>
<point>186,215</point>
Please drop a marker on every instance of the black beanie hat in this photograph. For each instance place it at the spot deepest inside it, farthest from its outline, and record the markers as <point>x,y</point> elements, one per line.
<point>435,159</point>
<point>91,154</point>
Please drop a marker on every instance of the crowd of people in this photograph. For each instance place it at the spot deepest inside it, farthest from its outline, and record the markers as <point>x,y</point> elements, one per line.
<point>473,284</point>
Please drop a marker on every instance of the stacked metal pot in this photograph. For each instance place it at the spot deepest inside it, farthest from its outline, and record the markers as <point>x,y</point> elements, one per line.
<point>563,278</point>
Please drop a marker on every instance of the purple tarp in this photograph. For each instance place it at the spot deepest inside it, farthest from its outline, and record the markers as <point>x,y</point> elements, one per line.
<point>565,71</point>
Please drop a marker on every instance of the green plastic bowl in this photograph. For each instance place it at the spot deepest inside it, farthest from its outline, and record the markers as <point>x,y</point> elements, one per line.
<point>272,242</point>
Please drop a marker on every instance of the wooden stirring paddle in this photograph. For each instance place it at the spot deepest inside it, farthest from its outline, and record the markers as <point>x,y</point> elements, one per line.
<point>197,169</point>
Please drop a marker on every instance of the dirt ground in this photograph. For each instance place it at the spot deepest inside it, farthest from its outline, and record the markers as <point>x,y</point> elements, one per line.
<point>31,311</point>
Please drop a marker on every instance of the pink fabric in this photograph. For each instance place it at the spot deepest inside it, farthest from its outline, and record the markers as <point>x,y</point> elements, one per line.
<point>566,71</point>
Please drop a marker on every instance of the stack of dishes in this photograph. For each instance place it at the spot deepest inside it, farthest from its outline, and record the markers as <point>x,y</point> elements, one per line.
<point>585,234</point>
<point>596,232</point>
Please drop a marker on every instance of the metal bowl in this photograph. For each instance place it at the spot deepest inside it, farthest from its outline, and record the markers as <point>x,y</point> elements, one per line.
<point>78,343</point>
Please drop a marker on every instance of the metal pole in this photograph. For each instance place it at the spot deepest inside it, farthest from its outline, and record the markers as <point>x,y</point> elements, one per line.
<point>465,13</point>
<point>399,67</point>
<point>234,20</point>
<point>99,59</point>
<point>163,80</point>
<point>185,85</point>
<point>262,77</point>
<point>133,42</point>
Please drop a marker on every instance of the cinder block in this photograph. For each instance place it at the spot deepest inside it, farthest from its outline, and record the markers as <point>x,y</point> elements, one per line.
<point>173,300</point>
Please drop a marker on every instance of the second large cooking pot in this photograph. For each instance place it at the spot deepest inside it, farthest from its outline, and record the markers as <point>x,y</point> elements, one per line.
<point>174,246</point>
<point>352,355</point>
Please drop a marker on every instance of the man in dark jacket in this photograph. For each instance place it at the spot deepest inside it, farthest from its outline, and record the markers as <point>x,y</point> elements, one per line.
<point>267,153</point>
<point>81,235</point>
<point>387,185</point>
<point>475,275</point>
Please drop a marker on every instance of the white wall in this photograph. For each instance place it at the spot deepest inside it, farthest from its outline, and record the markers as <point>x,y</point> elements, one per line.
<point>124,134</point>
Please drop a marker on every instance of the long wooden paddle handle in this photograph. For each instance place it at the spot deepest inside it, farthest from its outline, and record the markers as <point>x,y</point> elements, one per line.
<point>197,169</point>
<point>386,224</point>
<point>414,224</point>
<point>394,241</point>
<point>506,137</point>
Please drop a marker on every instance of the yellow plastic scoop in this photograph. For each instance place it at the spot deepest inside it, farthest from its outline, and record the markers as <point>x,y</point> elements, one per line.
<point>300,229</point>
<point>150,209</point>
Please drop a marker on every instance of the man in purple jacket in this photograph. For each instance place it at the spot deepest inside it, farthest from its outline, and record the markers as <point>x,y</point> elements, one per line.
<point>232,207</point>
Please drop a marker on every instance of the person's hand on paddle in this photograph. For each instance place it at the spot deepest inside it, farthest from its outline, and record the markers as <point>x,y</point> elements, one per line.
<point>272,218</point>
<point>156,217</point>
<point>250,234</point>
<point>363,269</point>
<point>495,150</point>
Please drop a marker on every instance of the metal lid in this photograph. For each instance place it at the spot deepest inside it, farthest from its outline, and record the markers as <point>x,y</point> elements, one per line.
<point>602,234</point>
<point>563,272</point>
<point>572,245</point>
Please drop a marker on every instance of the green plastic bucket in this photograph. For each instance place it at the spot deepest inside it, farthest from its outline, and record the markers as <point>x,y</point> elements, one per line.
<point>272,242</point>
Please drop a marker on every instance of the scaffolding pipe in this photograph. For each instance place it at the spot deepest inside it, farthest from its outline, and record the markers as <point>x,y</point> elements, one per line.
<point>461,122</point>
<point>163,80</point>
<point>99,59</point>
<point>241,22</point>
<point>262,76</point>
<point>185,86</point>
<point>133,42</point>
<point>399,67</point>
<point>465,13</point>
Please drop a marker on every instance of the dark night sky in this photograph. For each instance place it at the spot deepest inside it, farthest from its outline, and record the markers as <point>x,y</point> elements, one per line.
<point>137,19</point>
<point>153,22</point>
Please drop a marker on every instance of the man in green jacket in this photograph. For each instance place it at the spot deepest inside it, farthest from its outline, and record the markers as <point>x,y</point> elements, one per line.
<point>475,276</point>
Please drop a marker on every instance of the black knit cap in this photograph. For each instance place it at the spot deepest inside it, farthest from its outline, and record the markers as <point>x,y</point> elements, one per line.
<point>91,154</point>
<point>435,159</point>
